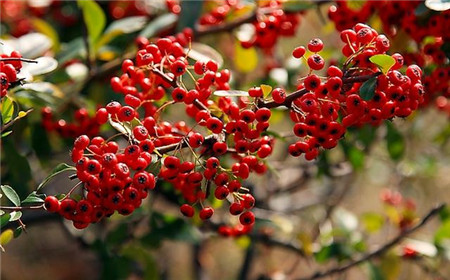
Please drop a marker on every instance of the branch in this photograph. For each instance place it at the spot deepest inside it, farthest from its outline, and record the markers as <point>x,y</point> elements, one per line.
<point>377,253</point>
<point>299,93</point>
<point>224,27</point>
<point>171,147</point>
<point>20,208</point>
<point>18,59</point>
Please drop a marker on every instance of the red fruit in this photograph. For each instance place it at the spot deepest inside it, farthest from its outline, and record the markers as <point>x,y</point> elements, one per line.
<point>172,162</point>
<point>178,68</point>
<point>247,218</point>
<point>299,52</point>
<point>316,62</point>
<point>52,204</point>
<point>255,92</point>
<point>221,192</point>
<point>279,95</point>
<point>206,213</point>
<point>315,45</point>
<point>236,208</point>
<point>81,142</point>
<point>187,210</point>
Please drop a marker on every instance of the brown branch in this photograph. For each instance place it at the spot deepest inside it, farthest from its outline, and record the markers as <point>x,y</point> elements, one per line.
<point>171,147</point>
<point>299,93</point>
<point>377,253</point>
<point>224,27</point>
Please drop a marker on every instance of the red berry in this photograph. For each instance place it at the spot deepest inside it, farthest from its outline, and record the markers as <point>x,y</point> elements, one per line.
<point>315,45</point>
<point>51,204</point>
<point>206,213</point>
<point>247,218</point>
<point>316,62</point>
<point>187,210</point>
<point>299,52</point>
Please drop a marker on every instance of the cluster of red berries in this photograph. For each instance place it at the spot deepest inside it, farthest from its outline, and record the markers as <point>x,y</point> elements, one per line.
<point>393,15</point>
<point>323,100</point>
<point>82,124</point>
<point>121,9</point>
<point>17,15</point>
<point>269,26</point>
<point>112,180</point>
<point>9,67</point>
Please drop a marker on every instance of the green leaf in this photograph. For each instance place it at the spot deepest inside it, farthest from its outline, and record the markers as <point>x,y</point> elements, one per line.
<point>58,169</point>
<point>372,221</point>
<point>34,198</point>
<point>384,61</point>
<point>144,257</point>
<point>18,231</point>
<point>443,233</point>
<point>11,194</point>
<point>158,24</point>
<point>7,109</point>
<point>367,90</point>
<point>94,18</point>
<point>18,168</point>
<point>4,219</point>
<point>189,18</point>
<point>375,272</point>
<point>127,25</point>
<point>45,28</point>
<point>395,142</point>
<point>297,6</point>
<point>15,215</point>
<point>4,134</point>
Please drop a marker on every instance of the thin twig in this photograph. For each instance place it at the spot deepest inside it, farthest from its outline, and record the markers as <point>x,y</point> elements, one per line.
<point>377,253</point>
<point>18,59</point>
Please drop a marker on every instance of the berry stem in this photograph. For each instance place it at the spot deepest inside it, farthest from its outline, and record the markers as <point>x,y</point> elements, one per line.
<point>299,93</point>
<point>19,208</point>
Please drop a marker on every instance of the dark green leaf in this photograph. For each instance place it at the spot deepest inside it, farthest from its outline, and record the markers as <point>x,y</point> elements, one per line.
<point>71,50</point>
<point>158,24</point>
<point>4,219</point>
<point>192,11</point>
<point>94,18</point>
<point>395,142</point>
<point>446,49</point>
<point>421,9</point>
<point>367,90</point>
<point>34,198</point>
<point>18,169</point>
<point>375,272</point>
<point>58,169</point>
<point>144,258</point>
<point>18,231</point>
<point>11,194</point>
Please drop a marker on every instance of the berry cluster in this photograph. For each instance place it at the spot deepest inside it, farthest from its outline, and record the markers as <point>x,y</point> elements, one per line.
<point>393,15</point>
<point>83,123</point>
<point>316,112</point>
<point>112,180</point>
<point>322,108</point>
<point>10,65</point>
<point>270,23</point>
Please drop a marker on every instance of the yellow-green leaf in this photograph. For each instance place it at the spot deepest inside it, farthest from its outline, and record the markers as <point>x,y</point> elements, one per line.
<point>43,27</point>
<point>7,109</point>
<point>372,221</point>
<point>6,236</point>
<point>94,18</point>
<point>266,89</point>
<point>245,60</point>
<point>384,61</point>
<point>391,266</point>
